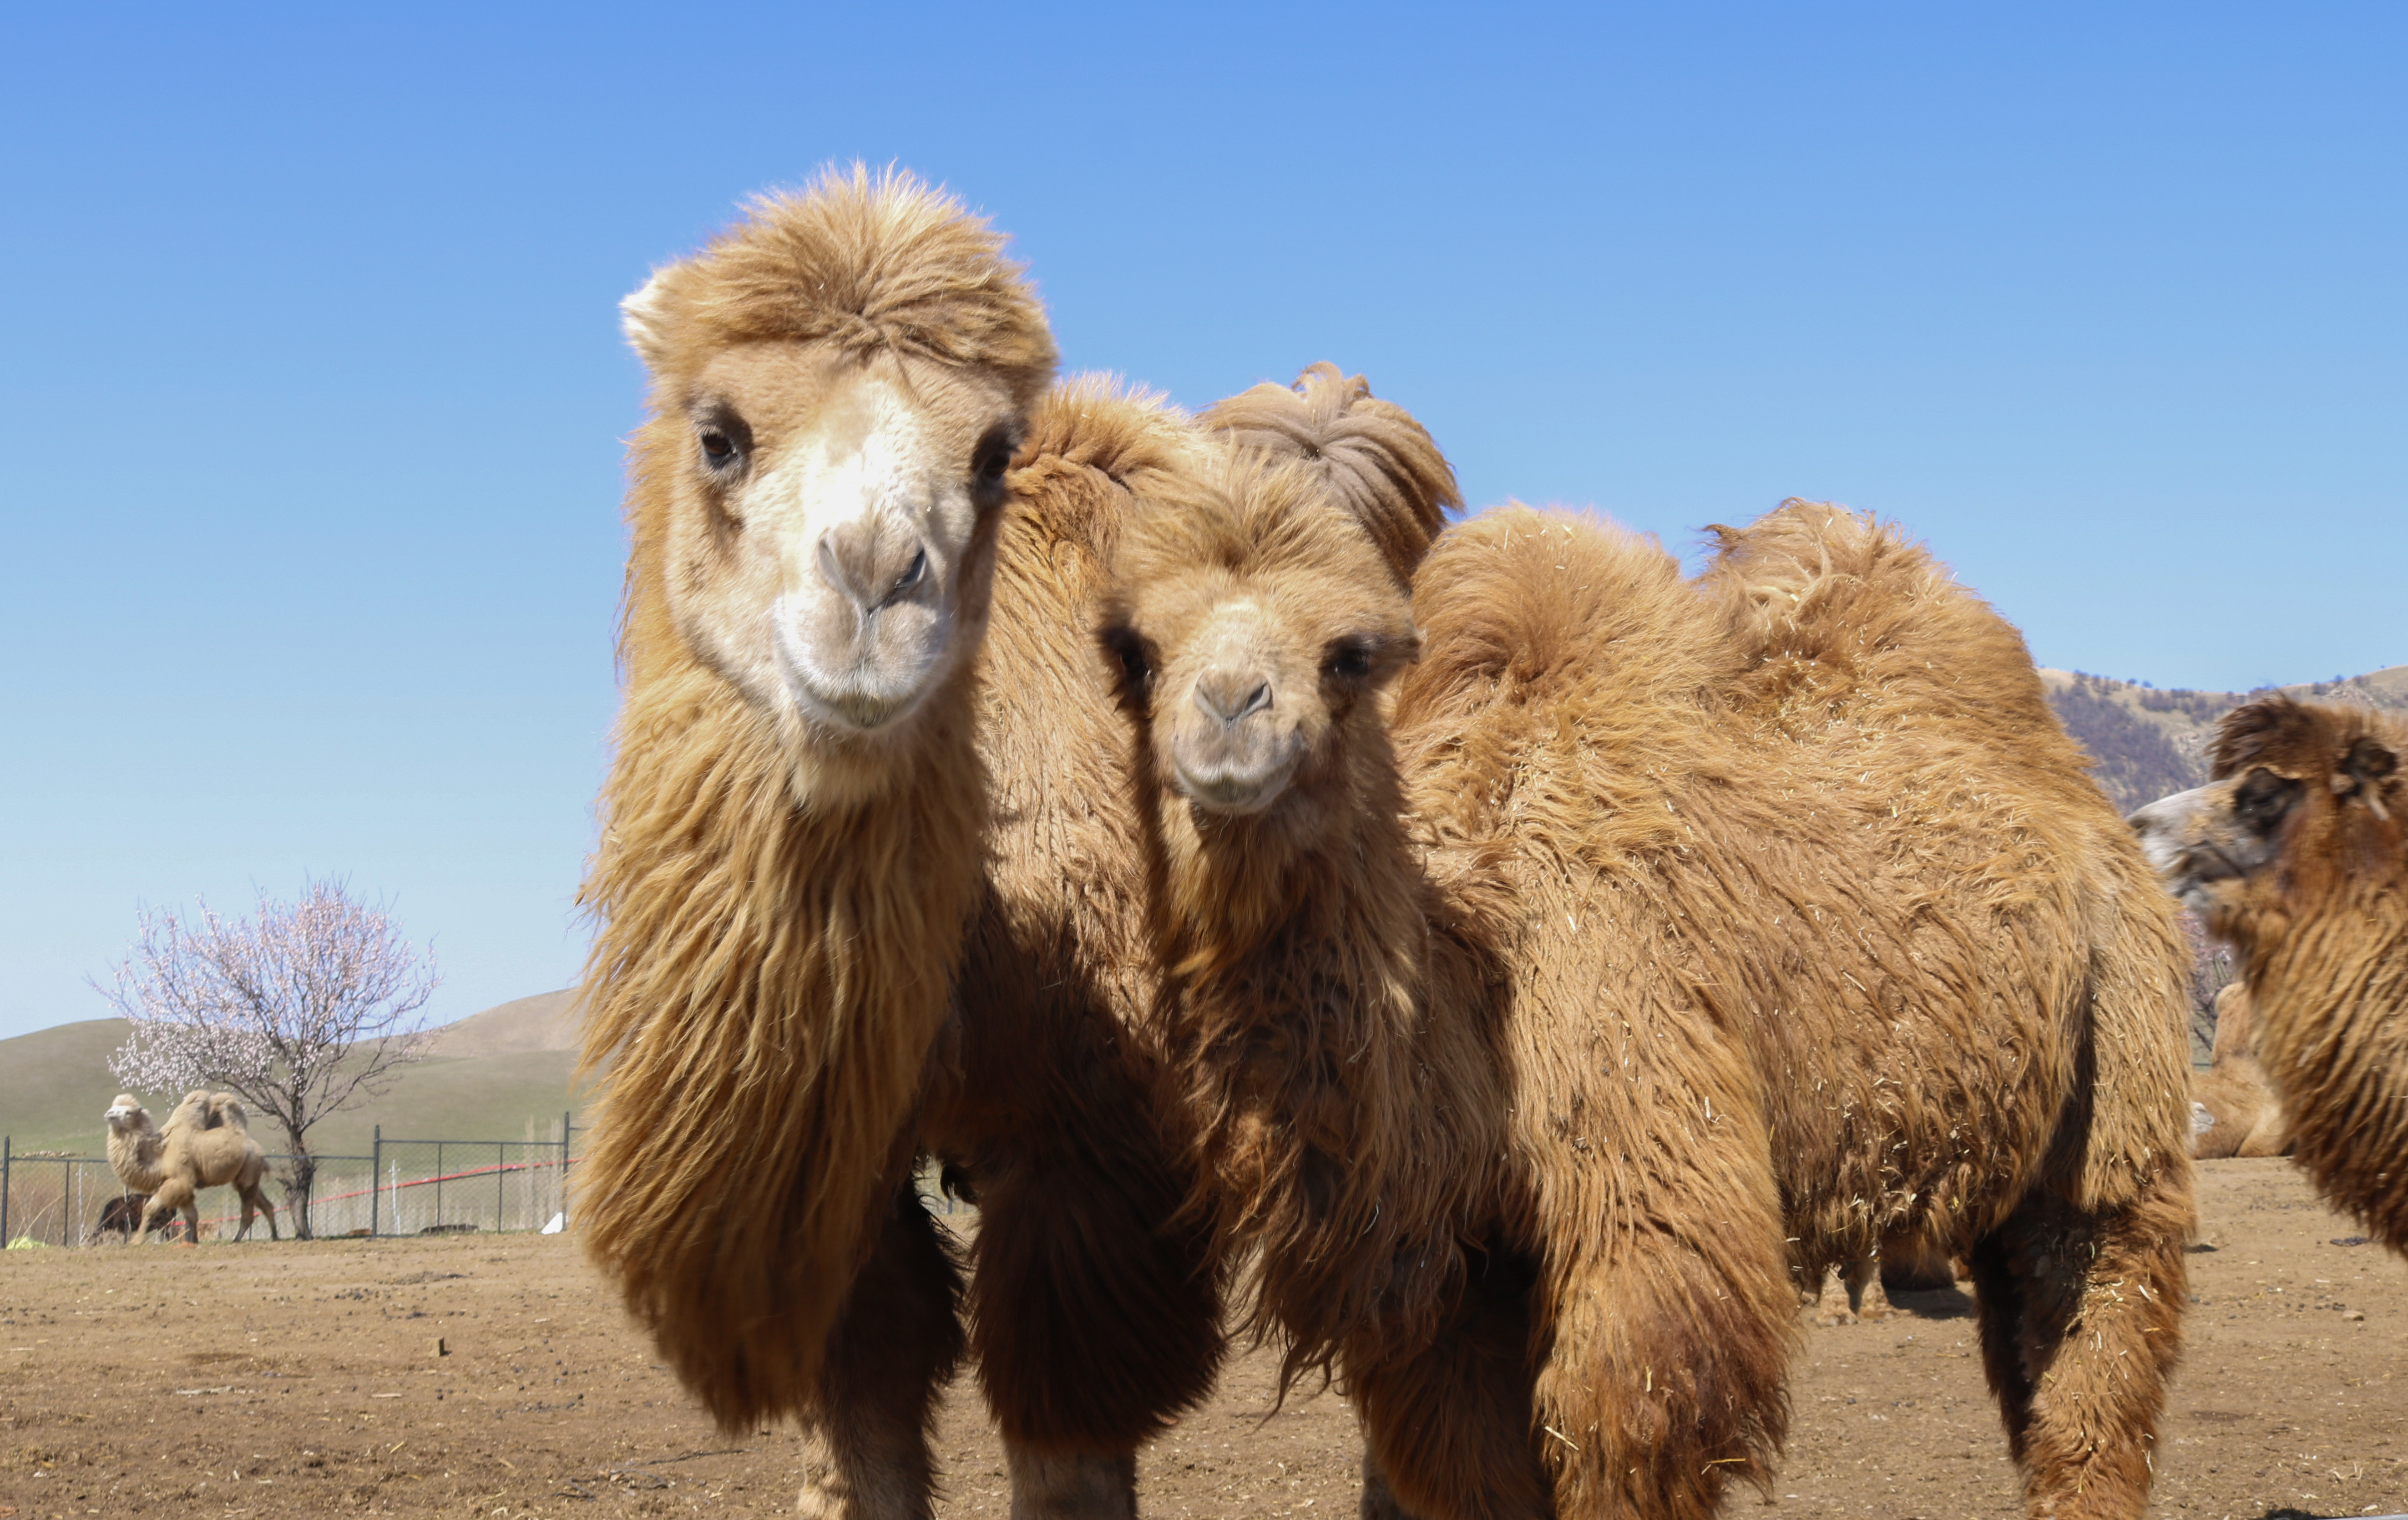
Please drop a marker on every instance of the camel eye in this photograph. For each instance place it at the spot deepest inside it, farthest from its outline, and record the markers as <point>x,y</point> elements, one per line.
<point>2263,798</point>
<point>723,438</point>
<point>989,460</point>
<point>1346,659</point>
<point>1135,659</point>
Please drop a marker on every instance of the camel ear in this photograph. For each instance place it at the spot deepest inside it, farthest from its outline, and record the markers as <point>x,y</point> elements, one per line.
<point>2368,764</point>
<point>644,318</point>
<point>2370,761</point>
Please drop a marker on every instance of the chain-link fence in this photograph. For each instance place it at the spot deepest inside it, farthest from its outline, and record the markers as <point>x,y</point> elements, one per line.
<point>401,1187</point>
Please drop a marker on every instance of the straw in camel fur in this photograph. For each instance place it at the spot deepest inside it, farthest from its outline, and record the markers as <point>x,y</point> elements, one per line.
<point>2244,1118</point>
<point>1664,941</point>
<point>781,911</point>
<point>2296,852</point>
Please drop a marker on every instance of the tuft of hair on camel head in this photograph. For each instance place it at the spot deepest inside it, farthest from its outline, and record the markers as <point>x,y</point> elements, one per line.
<point>1252,616</point>
<point>2303,799</point>
<point>838,383</point>
<point>1370,455</point>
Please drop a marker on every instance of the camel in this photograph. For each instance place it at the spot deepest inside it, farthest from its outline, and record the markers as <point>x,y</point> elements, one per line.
<point>206,1143</point>
<point>835,933</point>
<point>790,850</point>
<point>2296,853</point>
<point>1570,959</point>
<point>2233,1109</point>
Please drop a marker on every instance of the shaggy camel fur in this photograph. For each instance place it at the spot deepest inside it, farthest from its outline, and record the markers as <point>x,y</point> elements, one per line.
<point>2231,1098</point>
<point>1650,944</point>
<point>205,1143</point>
<point>790,827</point>
<point>2296,852</point>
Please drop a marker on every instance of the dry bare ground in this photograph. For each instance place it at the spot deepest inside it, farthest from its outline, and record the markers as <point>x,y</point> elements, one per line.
<point>303,1380</point>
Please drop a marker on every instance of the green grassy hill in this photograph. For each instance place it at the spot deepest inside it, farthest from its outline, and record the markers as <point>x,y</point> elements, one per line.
<point>492,1077</point>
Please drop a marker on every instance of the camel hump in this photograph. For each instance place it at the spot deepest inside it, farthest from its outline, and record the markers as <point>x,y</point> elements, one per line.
<point>1519,596</point>
<point>1373,455</point>
<point>227,1109</point>
<point>1100,421</point>
<point>1812,572</point>
<point>1850,606</point>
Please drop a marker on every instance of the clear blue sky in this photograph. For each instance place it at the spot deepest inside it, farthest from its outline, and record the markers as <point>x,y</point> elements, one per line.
<point>312,385</point>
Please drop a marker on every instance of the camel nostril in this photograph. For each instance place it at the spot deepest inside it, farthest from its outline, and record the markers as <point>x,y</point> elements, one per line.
<point>912,575</point>
<point>1230,697</point>
<point>872,562</point>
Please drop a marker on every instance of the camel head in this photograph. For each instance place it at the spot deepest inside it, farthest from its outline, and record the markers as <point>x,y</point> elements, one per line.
<point>2306,809</point>
<point>1257,618</point>
<point>126,1115</point>
<point>1254,624</point>
<point>838,384</point>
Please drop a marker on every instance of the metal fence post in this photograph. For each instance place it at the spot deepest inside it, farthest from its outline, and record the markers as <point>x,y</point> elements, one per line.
<point>7,1145</point>
<point>376,1176</point>
<point>497,1182</point>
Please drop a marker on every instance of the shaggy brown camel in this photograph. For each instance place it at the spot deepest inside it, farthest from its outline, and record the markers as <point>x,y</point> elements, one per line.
<point>791,827</point>
<point>1093,1303</point>
<point>1647,943</point>
<point>205,1143</point>
<point>2233,1108</point>
<point>2295,853</point>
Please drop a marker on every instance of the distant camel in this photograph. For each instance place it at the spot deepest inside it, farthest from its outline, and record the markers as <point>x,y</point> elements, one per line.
<point>2295,853</point>
<point>205,1143</point>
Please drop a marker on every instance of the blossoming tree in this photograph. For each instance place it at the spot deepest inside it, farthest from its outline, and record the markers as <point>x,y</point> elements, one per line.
<point>300,1009</point>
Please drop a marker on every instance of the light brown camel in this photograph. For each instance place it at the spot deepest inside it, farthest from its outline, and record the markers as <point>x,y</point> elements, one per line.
<point>790,846</point>
<point>2295,853</point>
<point>2233,1109</point>
<point>205,1143</point>
<point>1554,997</point>
<point>1093,1303</point>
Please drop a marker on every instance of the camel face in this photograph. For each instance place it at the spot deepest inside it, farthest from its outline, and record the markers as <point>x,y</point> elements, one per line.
<point>126,1113</point>
<point>838,383</point>
<point>2303,799</point>
<point>832,533</point>
<point>1253,625</point>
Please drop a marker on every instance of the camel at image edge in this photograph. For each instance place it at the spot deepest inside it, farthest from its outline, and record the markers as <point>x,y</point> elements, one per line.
<point>206,1143</point>
<point>1570,959</point>
<point>753,832</point>
<point>2296,853</point>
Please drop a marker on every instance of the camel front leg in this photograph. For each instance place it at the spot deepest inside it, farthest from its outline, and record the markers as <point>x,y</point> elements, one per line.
<point>2081,1322</point>
<point>1449,1430</point>
<point>898,1339</point>
<point>1080,1486</point>
<point>173,1197</point>
<point>1098,1319</point>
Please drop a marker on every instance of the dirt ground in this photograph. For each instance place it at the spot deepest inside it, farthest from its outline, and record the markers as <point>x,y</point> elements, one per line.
<point>303,1380</point>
